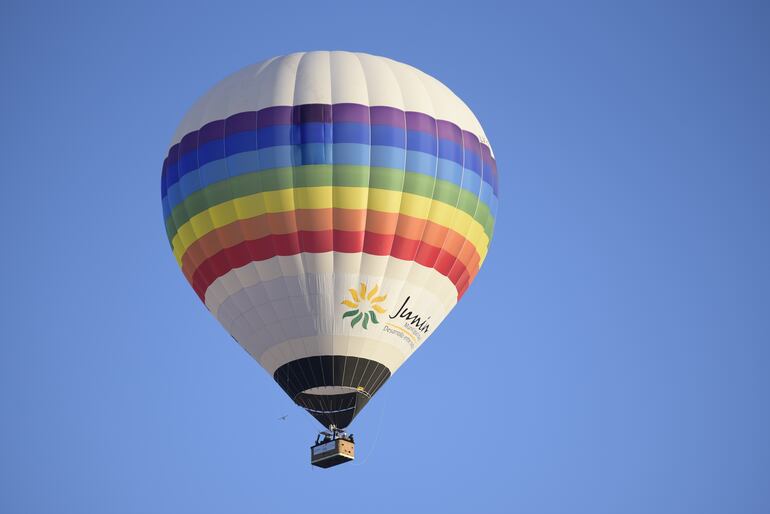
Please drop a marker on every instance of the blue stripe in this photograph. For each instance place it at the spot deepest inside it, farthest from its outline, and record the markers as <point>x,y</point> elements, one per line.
<point>472,161</point>
<point>173,174</point>
<point>352,153</point>
<point>385,135</point>
<point>276,135</point>
<point>311,133</point>
<point>164,180</point>
<point>321,133</point>
<point>471,182</point>
<point>351,133</point>
<point>450,150</point>
<point>487,176</point>
<point>211,151</point>
<point>166,208</point>
<point>420,162</point>
<point>240,142</point>
<point>317,153</point>
<point>420,142</point>
<point>486,195</point>
<point>188,162</point>
<point>280,135</point>
<point>450,170</point>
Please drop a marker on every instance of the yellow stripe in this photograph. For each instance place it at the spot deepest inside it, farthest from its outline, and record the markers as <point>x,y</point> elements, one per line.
<point>324,197</point>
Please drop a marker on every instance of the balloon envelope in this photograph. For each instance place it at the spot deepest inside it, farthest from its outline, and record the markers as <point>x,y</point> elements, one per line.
<point>330,208</point>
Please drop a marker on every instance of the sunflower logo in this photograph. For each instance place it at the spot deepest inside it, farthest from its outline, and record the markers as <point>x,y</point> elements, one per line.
<point>364,307</point>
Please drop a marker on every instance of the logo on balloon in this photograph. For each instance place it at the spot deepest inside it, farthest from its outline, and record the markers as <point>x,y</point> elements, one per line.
<point>364,306</point>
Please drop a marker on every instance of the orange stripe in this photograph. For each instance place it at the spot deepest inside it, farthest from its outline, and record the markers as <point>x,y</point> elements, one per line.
<point>316,220</point>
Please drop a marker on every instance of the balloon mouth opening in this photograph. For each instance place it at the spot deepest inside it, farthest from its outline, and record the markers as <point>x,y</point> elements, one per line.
<point>335,390</point>
<point>333,409</point>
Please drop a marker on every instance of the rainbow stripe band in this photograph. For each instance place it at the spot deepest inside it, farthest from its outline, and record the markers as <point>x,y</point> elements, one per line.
<point>321,123</point>
<point>326,241</point>
<point>319,220</point>
<point>319,178</point>
<point>337,154</point>
<point>325,230</point>
<point>308,176</point>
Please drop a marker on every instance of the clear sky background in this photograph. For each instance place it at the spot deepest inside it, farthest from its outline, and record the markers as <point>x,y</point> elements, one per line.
<point>613,355</point>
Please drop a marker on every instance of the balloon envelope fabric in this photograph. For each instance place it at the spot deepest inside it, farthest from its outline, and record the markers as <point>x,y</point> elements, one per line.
<point>330,209</point>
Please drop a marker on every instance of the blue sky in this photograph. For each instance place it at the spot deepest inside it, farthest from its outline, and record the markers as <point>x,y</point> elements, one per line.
<point>612,355</point>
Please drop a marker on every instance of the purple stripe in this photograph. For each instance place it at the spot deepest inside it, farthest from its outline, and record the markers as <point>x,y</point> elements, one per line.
<point>421,122</point>
<point>278,115</point>
<point>173,169</point>
<point>490,167</point>
<point>211,131</point>
<point>450,132</point>
<point>471,141</point>
<point>189,142</point>
<point>382,115</point>
<point>173,153</point>
<point>347,112</point>
<point>350,113</point>
<point>163,175</point>
<point>241,122</point>
<point>309,113</point>
<point>486,156</point>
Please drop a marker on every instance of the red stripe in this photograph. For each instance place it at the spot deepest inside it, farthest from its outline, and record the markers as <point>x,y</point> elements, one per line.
<point>354,221</point>
<point>326,241</point>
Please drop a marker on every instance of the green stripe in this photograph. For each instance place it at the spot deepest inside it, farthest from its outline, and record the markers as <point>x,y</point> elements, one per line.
<point>317,175</point>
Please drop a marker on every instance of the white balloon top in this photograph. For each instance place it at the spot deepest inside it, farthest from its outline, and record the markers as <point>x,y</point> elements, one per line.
<point>329,78</point>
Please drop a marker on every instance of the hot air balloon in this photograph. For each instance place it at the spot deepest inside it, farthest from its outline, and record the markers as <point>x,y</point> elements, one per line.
<point>330,209</point>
